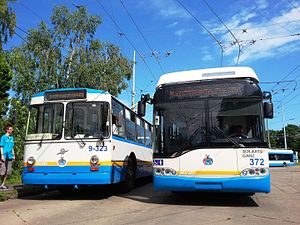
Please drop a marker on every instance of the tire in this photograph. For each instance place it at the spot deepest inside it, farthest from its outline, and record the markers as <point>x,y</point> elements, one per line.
<point>130,176</point>
<point>284,164</point>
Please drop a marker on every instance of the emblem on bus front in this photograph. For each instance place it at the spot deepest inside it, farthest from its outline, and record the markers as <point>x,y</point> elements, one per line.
<point>62,151</point>
<point>207,160</point>
<point>61,162</point>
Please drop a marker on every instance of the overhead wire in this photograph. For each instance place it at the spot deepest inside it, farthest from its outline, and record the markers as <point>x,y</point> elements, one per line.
<point>292,4</point>
<point>286,76</point>
<point>128,40</point>
<point>205,28</point>
<point>142,35</point>
<point>32,11</point>
<point>236,40</point>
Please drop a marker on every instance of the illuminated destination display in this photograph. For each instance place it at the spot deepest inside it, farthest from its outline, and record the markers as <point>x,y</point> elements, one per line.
<point>65,95</point>
<point>200,91</point>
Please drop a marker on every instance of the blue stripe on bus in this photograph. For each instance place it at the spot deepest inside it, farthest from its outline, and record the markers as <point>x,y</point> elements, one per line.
<point>54,175</point>
<point>90,91</point>
<point>45,175</point>
<point>131,142</point>
<point>280,153</point>
<point>232,184</point>
<point>271,164</point>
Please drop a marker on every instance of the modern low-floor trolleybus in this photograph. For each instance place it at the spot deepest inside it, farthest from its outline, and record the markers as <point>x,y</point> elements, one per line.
<point>83,136</point>
<point>281,157</point>
<point>209,131</point>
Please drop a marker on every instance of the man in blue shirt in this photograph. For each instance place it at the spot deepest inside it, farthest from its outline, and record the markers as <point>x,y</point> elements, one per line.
<point>7,154</point>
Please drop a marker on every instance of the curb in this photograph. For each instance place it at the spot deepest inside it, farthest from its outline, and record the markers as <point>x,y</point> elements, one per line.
<point>20,191</point>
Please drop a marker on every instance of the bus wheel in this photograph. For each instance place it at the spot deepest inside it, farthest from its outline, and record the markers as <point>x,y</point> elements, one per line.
<point>284,164</point>
<point>130,176</point>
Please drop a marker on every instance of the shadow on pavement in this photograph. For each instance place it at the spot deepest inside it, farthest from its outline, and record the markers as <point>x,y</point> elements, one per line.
<point>95,192</point>
<point>144,193</point>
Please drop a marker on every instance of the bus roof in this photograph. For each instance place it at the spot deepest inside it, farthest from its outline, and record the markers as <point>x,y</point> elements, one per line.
<point>207,74</point>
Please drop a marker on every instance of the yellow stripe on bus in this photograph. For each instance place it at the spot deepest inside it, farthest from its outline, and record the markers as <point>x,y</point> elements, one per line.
<point>213,172</point>
<point>101,163</point>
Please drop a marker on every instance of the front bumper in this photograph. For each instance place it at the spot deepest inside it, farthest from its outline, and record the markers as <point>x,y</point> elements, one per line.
<point>232,184</point>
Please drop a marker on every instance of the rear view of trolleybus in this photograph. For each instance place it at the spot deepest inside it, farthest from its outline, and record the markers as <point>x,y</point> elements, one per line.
<point>84,137</point>
<point>209,131</point>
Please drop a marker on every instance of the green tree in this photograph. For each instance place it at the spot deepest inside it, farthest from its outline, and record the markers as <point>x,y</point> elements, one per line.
<point>293,136</point>
<point>7,25</point>
<point>7,21</point>
<point>68,55</point>
<point>5,77</point>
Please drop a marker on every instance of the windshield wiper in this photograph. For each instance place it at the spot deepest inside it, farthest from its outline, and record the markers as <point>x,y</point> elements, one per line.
<point>40,144</point>
<point>81,142</point>
<point>236,143</point>
<point>182,151</point>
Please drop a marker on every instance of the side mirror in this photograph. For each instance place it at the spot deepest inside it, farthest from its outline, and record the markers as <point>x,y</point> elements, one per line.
<point>141,108</point>
<point>267,95</point>
<point>268,110</point>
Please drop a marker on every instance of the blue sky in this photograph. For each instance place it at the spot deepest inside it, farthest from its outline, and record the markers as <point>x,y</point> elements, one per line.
<point>267,31</point>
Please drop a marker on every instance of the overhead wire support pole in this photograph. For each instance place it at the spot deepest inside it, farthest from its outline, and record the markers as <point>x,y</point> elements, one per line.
<point>133,81</point>
<point>201,24</point>
<point>236,40</point>
<point>268,133</point>
<point>283,123</point>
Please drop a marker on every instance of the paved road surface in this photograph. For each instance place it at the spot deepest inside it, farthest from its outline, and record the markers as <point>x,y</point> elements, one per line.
<point>144,206</point>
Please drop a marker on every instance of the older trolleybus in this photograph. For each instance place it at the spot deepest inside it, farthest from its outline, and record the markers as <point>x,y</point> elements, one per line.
<point>209,131</point>
<point>281,157</point>
<point>84,137</point>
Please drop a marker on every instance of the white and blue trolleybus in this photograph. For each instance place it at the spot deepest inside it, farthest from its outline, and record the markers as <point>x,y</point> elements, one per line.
<point>281,157</point>
<point>209,131</point>
<point>83,136</point>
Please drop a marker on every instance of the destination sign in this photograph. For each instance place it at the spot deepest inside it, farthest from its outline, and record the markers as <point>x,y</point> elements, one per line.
<point>65,95</point>
<point>209,90</point>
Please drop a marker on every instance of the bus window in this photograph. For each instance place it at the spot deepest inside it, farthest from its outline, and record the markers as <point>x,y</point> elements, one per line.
<point>148,134</point>
<point>130,125</point>
<point>140,131</point>
<point>118,122</point>
<point>87,120</point>
<point>46,118</point>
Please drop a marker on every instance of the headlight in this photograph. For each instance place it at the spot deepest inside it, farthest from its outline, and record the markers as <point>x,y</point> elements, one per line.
<point>255,172</point>
<point>94,159</point>
<point>31,160</point>
<point>263,171</point>
<point>162,171</point>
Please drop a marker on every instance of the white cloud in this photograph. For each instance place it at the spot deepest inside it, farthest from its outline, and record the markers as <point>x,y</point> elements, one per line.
<point>169,9</point>
<point>174,24</point>
<point>263,38</point>
<point>181,32</point>
<point>206,56</point>
<point>262,4</point>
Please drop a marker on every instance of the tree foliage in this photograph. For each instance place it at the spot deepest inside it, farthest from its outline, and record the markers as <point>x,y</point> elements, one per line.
<point>7,25</point>
<point>5,77</point>
<point>292,135</point>
<point>7,22</point>
<point>68,55</point>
